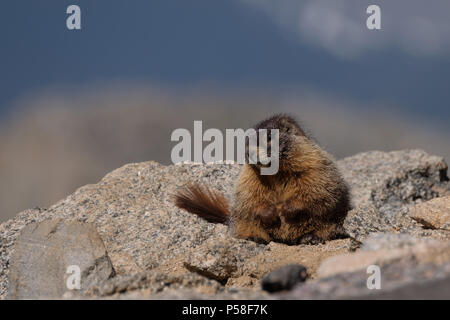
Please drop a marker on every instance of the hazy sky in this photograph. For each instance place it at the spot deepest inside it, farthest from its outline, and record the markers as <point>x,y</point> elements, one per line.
<point>317,44</point>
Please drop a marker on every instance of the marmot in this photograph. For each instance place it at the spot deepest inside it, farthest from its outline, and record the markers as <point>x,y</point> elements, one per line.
<point>305,202</point>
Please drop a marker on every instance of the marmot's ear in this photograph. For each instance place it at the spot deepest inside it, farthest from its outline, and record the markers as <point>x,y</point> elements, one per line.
<point>291,128</point>
<point>289,125</point>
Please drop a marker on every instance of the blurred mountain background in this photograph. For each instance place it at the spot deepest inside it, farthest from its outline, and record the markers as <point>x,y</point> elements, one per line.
<point>75,105</point>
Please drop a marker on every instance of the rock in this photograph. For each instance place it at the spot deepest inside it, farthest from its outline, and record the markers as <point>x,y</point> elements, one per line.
<point>385,184</point>
<point>433,214</point>
<point>422,252</point>
<point>243,263</point>
<point>391,241</point>
<point>435,289</point>
<point>284,278</point>
<point>44,252</point>
<point>145,234</point>
<point>410,268</point>
<point>402,279</point>
<point>189,294</point>
<point>133,213</point>
<point>277,255</point>
<point>152,283</point>
<point>390,179</point>
<point>364,220</point>
<point>220,259</point>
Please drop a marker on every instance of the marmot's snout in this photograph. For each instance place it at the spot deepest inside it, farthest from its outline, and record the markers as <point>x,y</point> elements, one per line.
<point>259,156</point>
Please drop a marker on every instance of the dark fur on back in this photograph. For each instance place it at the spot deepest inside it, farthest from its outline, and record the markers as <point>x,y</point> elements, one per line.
<point>282,122</point>
<point>206,203</point>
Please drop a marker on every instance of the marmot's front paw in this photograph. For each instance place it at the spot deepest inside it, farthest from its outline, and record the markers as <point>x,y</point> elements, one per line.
<point>292,212</point>
<point>310,239</point>
<point>268,216</point>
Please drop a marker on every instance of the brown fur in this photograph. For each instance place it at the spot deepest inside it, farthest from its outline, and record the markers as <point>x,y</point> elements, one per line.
<point>209,204</point>
<point>305,202</point>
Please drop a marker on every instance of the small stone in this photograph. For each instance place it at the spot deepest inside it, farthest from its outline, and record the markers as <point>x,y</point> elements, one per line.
<point>284,278</point>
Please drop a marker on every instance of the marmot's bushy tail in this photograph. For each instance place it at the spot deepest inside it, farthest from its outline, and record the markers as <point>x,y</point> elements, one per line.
<point>207,204</point>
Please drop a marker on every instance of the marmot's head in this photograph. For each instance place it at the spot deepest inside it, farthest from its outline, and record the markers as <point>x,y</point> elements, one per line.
<point>289,133</point>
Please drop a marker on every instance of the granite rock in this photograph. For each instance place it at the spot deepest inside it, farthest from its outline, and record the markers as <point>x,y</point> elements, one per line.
<point>46,254</point>
<point>422,252</point>
<point>147,238</point>
<point>385,185</point>
<point>433,214</point>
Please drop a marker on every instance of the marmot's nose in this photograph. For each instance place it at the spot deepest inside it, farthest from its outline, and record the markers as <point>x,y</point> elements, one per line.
<point>263,156</point>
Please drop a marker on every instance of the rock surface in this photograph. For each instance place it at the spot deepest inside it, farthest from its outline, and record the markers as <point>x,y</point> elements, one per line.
<point>405,279</point>
<point>410,268</point>
<point>385,185</point>
<point>433,214</point>
<point>422,252</point>
<point>44,254</point>
<point>159,251</point>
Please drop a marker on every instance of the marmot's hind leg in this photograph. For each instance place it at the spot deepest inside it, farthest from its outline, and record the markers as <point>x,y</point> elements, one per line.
<point>250,230</point>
